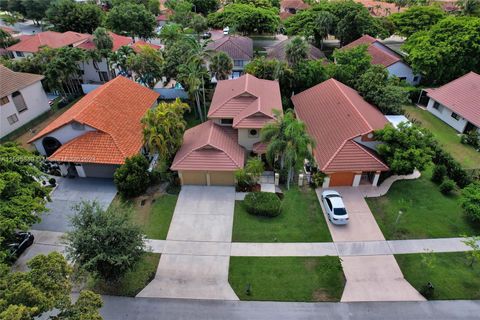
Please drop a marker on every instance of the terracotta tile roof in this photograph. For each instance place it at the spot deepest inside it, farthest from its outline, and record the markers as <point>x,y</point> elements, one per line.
<point>11,81</point>
<point>380,53</point>
<point>237,47</point>
<point>140,43</point>
<point>294,4</point>
<point>209,146</point>
<point>285,15</point>
<point>279,51</point>
<point>114,110</point>
<point>51,39</point>
<point>259,148</point>
<point>247,100</point>
<point>335,113</point>
<point>462,96</point>
<point>118,41</point>
<point>8,29</point>
<point>354,157</point>
<point>380,8</point>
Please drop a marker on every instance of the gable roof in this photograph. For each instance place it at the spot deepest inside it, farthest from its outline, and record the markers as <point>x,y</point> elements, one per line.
<point>237,47</point>
<point>294,4</point>
<point>279,51</point>
<point>118,41</point>
<point>462,96</point>
<point>247,100</point>
<point>335,113</point>
<point>354,157</point>
<point>11,81</point>
<point>379,52</point>
<point>114,110</point>
<point>32,43</point>
<point>209,146</point>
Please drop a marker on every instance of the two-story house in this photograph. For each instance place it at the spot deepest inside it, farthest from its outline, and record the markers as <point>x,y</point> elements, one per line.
<point>212,151</point>
<point>238,48</point>
<point>22,99</point>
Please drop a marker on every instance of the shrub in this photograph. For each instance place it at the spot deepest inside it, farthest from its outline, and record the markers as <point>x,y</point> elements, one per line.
<point>262,204</point>
<point>472,138</point>
<point>471,201</point>
<point>132,178</point>
<point>447,186</point>
<point>52,182</point>
<point>439,172</point>
<point>317,179</point>
<point>454,169</point>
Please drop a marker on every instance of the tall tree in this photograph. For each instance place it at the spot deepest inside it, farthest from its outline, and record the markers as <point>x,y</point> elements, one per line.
<point>199,24</point>
<point>205,6</point>
<point>182,11</point>
<point>417,18</point>
<point>133,19</point>
<point>103,45</point>
<point>119,59</point>
<point>296,51</point>
<point>470,7</point>
<point>192,76</point>
<point>68,15</point>
<point>147,66</point>
<point>272,69</point>
<point>324,25</point>
<point>351,64</point>
<point>221,66</point>
<point>6,39</point>
<point>36,9</point>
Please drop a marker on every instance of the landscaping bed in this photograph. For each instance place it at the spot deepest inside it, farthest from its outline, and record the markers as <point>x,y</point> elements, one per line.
<point>287,278</point>
<point>301,220</point>
<point>450,274</point>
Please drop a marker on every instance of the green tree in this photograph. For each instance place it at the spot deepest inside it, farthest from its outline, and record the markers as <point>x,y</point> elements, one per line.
<point>119,59</point>
<point>175,57</point>
<point>221,66</point>
<point>105,243</point>
<point>266,4</point>
<point>199,24</point>
<point>272,69</point>
<point>171,33</point>
<point>287,140</point>
<point>296,51</point>
<point>470,7</point>
<point>68,15</point>
<point>416,18</point>
<point>36,9</point>
<point>11,18</point>
<point>470,201</point>
<point>308,74</point>
<point>474,243</point>
<point>147,65</point>
<point>132,19</point>
<point>6,39</point>
<point>182,11</point>
<point>405,148</point>
<point>324,24</point>
<point>132,178</point>
<point>351,63</point>
<point>86,307</point>
<point>103,44</point>
<point>192,76</point>
<point>205,6</point>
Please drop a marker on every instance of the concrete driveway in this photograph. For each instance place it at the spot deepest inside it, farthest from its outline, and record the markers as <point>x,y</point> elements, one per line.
<point>70,192</point>
<point>195,265</point>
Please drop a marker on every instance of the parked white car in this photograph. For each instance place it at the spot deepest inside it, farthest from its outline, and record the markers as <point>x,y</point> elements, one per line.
<point>333,204</point>
<point>226,30</point>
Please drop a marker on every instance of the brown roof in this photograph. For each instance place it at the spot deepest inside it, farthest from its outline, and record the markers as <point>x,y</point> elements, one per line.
<point>247,100</point>
<point>462,96</point>
<point>335,113</point>
<point>11,81</point>
<point>352,156</point>
<point>294,4</point>
<point>380,8</point>
<point>279,51</point>
<point>114,110</point>
<point>118,41</point>
<point>209,146</point>
<point>285,15</point>
<point>32,43</point>
<point>380,53</point>
<point>237,47</point>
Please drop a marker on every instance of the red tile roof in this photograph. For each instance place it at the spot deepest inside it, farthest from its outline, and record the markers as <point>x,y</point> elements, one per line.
<point>237,47</point>
<point>32,43</point>
<point>380,53</point>
<point>354,157</point>
<point>294,4</point>
<point>114,110</point>
<point>380,8</point>
<point>8,29</point>
<point>209,146</point>
<point>462,96</point>
<point>140,43</point>
<point>335,113</point>
<point>285,15</point>
<point>247,100</point>
<point>279,51</point>
<point>259,147</point>
<point>118,41</point>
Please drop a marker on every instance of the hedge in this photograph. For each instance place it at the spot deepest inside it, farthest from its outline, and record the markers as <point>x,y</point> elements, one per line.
<point>454,169</point>
<point>262,204</point>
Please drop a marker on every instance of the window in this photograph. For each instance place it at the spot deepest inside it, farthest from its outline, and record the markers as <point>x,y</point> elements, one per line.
<point>19,102</point>
<point>103,76</point>
<point>78,126</point>
<point>253,133</point>
<point>436,105</point>
<point>4,100</point>
<point>238,63</point>
<point>12,119</point>
<point>329,203</point>
<point>19,54</point>
<point>415,79</point>
<point>403,78</point>
<point>226,121</point>
<point>455,116</point>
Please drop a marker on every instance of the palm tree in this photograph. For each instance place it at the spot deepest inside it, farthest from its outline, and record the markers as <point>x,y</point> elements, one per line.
<point>469,7</point>
<point>170,33</point>
<point>192,75</point>
<point>296,51</point>
<point>287,141</point>
<point>147,65</point>
<point>325,23</point>
<point>221,66</point>
<point>104,45</point>
<point>118,59</point>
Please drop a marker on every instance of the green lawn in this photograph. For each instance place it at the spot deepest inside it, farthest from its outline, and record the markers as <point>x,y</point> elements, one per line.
<point>425,211</point>
<point>301,220</point>
<point>450,274</point>
<point>156,217</point>
<point>287,278</point>
<point>449,139</point>
<point>133,282</point>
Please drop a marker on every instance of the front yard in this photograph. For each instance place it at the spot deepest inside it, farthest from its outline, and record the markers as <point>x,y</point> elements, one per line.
<point>301,220</point>
<point>450,274</point>
<point>416,209</point>
<point>287,278</point>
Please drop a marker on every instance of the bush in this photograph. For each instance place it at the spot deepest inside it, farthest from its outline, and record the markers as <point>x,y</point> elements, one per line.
<point>317,179</point>
<point>262,204</point>
<point>471,201</point>
<point>447,186</point>
<point>52,182</point>
<point>132,178</point>
<point>471,138</point>
<point>454,169</point>
<point>439,172</point>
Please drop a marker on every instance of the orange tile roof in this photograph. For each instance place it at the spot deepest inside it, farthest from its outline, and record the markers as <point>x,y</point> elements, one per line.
<point>118,41</point>
<point>114,110</point>
<point>380,53</point>
<point>32,43</point>
<point>140,43</point>
<point>380,8</point>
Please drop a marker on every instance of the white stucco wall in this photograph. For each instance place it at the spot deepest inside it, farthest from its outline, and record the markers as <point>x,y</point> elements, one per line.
<point>62,134</point>
<point>445,115</point>
<point>90,73</point>
<point>25,54</point>
<point>36,101</point>
<point>245,140</point>
<point>402,70</point>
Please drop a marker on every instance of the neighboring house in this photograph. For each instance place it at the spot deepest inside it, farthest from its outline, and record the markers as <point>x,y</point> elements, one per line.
<point>279,51</point>
<point>291,7</point>
<point>380,8</point>
<point>457,103</point>
<point>383,55</point>
<point>22,99</point>
<point>212,151</point>
<point>95,136</point>
<point>239,48</point>
<point>342,125</point>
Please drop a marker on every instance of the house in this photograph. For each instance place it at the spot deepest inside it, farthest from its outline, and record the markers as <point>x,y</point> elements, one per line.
<point>22,99</point>
<point>212,151</point>
<point>380,8</point>
<point>291,7</point>
<point>95,136</point>
<point>278,51</point>
<point>457,103</point>
<point>238,48</point>
<point>342,125</point>
<point>383,55</point>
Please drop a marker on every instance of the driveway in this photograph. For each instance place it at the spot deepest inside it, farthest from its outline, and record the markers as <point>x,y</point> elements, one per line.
<point>70,192</point>
<point>195,265</point>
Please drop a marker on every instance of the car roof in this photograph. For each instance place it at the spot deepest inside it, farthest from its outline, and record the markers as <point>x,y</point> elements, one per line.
<point>336,202</point>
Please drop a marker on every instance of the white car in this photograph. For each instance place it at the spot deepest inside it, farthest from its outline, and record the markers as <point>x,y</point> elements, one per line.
<point>333,203</point>
<point>226,30</point>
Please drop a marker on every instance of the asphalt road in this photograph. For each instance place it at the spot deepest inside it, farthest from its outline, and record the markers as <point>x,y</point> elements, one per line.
<point>122,308</point>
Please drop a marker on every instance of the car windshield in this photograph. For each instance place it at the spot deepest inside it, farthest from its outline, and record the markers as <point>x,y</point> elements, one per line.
<point>339,211</point>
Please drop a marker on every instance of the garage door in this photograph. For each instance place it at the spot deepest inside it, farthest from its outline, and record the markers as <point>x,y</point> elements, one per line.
<point>341,179</point>
<point>194,177</point>
<point>222,179</point>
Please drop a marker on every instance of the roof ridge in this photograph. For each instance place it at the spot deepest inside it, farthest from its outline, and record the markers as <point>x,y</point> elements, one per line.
<point>239,47</point>
<point>361,147</point>
<point>333,156</point>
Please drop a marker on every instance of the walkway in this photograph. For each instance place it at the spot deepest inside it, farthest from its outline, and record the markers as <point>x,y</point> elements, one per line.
<point>195,259</point>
